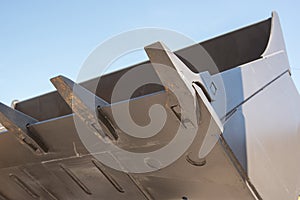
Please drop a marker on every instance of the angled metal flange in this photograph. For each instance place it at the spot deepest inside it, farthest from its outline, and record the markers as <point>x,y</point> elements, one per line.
<point>80,101</point>
<point>199,85</point>
<point>17,122</point>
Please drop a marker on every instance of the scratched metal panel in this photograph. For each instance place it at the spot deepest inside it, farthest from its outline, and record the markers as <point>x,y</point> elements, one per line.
<point>76,178</point>
<point>79,178</point>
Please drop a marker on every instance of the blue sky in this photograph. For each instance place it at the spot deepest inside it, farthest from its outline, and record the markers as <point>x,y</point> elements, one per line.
<point>42,39</point>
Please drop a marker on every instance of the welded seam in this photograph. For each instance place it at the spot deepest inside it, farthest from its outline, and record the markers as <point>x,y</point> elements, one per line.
<point>232,111</point>
<point>75,179</point>
<point>140,188</point>
<point>3,197</point>
<point>24,186</point>
<point>109,177</point>
<point>27,173</point>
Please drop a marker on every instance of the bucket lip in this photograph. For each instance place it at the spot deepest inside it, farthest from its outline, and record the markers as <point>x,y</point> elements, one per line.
<point>275,43</point>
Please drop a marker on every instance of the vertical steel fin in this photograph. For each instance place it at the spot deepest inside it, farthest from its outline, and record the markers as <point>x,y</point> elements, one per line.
<point>85,105</point>
<point>158,53</point>
<point>17,122</point>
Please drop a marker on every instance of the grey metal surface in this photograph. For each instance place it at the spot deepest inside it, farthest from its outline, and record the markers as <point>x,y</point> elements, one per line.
<point>257,156</point>
<point>263,125</point>
<point>272,143</point>
<point>218,178</point>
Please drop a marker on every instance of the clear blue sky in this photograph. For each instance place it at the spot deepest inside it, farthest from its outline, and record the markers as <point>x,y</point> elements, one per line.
<point>42,39</point>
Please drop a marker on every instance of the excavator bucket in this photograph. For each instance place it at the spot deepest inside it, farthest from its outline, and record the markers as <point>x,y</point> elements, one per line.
<point>224,128</point>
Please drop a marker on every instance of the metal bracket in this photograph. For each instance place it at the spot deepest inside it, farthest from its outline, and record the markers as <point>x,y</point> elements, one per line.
<point>199,85</point>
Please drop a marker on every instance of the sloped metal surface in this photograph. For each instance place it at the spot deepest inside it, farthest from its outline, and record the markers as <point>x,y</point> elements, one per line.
<point>68,171</point>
